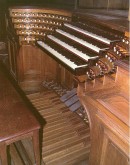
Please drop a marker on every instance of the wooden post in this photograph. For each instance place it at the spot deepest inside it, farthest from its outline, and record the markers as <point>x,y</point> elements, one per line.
<point>129,13</point>
<point>108,3</point>
<point>76,4</point>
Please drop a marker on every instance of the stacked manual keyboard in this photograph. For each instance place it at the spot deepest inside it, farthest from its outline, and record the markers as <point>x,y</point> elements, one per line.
<point>84,48</point>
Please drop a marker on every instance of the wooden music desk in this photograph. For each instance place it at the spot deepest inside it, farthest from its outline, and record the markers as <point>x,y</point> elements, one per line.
<point>16,120</point>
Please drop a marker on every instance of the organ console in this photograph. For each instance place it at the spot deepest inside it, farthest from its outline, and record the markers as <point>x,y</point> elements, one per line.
<point>86,49</point>
<point>81,49</point>
<point>83,46</point>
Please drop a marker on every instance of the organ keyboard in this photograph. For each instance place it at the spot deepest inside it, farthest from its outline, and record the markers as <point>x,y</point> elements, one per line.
<point>76,65</point>
<point>82,45</point>
<point>60,57</point>
<point>87,43</point>
<point>93,48</point>
<point>104,39</point>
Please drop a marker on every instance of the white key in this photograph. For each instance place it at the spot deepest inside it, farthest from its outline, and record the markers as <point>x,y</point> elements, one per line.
<point>59,56</point>
<point>107,41</point>
<point>71,48</point>
<point>88,45</point>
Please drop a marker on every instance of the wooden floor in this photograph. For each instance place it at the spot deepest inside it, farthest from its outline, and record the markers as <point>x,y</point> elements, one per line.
<point>66,137</point>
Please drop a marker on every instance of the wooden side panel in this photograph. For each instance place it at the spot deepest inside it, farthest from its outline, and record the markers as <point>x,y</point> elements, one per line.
<point>107,108</point>
<point>66,78</point>
<point>96,131</point>
<point>116,4</point>
<point>111,153</point>
<point>34,66</point>
<point>13,50</point>
<point>117,105</point>
<point>30,57</point>
<point>122,80</point>
<point>50,68</point>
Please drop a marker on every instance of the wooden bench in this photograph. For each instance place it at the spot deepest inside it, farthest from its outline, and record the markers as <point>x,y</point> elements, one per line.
<point>16,120</point>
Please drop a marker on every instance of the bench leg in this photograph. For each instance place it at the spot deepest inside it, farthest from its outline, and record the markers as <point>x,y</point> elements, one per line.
<point>3,154</point>
<point>36,146</point>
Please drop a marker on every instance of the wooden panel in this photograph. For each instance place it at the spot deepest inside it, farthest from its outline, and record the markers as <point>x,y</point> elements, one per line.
<point>50,68</point>
<point>115,129</point>
<point>100,3</point>
<point>12,50</point>
<point>84,3</point>
<point>119,4</point>
<point>31,58</point>
<point>34,67</point>
<point>111,154</point>
<point>116,4</point>
<point>117,105</point>
<point>66,78</point>
<point>122,79</point>
<point>107,109</point>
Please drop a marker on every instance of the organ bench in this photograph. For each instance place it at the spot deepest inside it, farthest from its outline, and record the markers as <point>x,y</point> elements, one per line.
<point>17,122</point>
